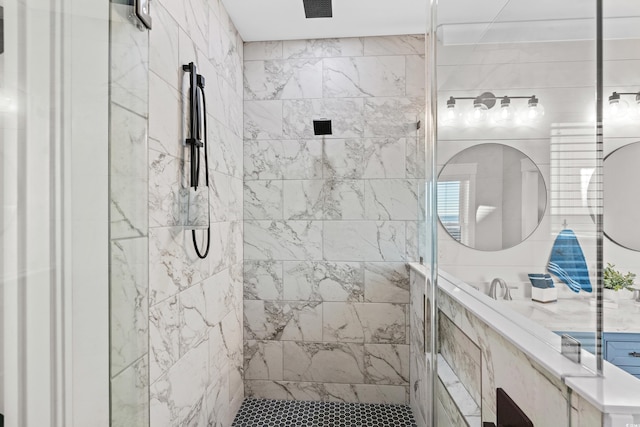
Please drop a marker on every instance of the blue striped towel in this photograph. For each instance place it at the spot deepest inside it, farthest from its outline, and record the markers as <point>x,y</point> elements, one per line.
<point>567,262</point>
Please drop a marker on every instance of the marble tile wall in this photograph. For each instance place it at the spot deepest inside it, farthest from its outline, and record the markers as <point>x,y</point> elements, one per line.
<point>195,306</point>
<point>330,221</point>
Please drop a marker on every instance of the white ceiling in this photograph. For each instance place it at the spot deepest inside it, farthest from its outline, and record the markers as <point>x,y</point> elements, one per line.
<point>259,20</point>
<point>465,21</point>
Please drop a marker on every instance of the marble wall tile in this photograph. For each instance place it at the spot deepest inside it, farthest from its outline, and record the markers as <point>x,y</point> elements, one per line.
<point>166,190</point>
<point>395,45</point>
<point>415,68</point>
<point>290,159</point>
<point>391,199</point>
<point>323,48</point>
<point>262,50</point>
<point>303,199</point>
<point>263,119</point>
<point>278,79</point>
<point>263,199</point>
<point>130,399</point>
<point>344,199</point>
<point>364,240</point>
<point>225,150</point>
<point>164,336</point>
<point>324,362</point>
<point>165,115</point>
<point>283,240</point>
<point>236,199</point>
<point>386,364</point>
<point>128,289</point>
<point>220,194</point>
<point>263,360</point>
<point>346,114</point>
<point>385,158</point>
<point>364,77</point>
<point>323,281</point>
<point>263,280</point>
<point>416,154</point>
<point>343,158</point>
<point>328,392</point>
<point>272,320</point>
<point>386,282</point>
<point>129,181</point>
<point>391,116</point>
<point>129,63</point>
<point>174,395</point>
<point>368,322</point>
<point>163,46</point>
<point>416,232</point>
<point>447,411</point>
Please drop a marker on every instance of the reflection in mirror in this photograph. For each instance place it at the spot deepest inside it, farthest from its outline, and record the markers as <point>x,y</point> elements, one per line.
<point>491,197</point>
<point>621,175</point>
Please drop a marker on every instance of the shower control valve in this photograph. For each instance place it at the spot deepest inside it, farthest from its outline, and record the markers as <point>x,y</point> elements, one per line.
<point>194,141</point>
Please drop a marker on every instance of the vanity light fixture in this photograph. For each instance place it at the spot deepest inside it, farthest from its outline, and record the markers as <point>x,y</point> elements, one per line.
<point>506,114</point>
<point>619,108</point>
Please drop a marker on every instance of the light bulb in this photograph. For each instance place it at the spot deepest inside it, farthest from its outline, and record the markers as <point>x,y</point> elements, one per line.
<point>450,115</point>
<point>478,114</point>
<point>504,114</point>
<point>617,108</point>
<point>534,111</point>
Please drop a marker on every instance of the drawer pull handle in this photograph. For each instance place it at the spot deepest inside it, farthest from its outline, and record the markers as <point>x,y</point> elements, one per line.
<point>634,354</point>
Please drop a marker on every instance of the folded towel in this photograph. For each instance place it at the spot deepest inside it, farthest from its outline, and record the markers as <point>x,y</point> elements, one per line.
<point>542,281</point>
<point>567,262</point>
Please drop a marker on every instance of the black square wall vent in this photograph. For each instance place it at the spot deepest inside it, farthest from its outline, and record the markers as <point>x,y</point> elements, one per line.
<point>322,127</point>
<point>318,8</point>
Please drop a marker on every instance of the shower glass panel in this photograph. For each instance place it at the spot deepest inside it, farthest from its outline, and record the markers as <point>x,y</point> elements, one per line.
<point>517,149</point>
<point>129,213</point>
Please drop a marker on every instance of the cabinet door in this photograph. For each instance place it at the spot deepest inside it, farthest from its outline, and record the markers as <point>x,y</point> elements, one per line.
<point>624,353</point>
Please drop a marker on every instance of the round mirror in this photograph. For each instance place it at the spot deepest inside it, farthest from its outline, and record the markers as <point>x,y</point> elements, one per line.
<point>491,197</point>
<point>621,175</point>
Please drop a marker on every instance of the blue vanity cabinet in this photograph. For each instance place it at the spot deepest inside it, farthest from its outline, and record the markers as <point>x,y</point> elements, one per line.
<point>623,350</point>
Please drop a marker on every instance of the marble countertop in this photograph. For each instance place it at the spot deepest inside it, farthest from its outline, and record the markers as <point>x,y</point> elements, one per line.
<point>613,393</point>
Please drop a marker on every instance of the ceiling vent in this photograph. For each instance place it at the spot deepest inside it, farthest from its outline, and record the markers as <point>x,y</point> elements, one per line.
<point>318,8</point>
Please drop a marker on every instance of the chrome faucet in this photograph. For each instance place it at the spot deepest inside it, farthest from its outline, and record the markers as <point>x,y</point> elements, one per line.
<point>503,285</point>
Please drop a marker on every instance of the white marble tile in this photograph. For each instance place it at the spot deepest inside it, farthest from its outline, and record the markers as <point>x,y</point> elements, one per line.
<point>129,396</point>
<point>271,320</point>
<point>174,395</point>
<point>363,77</point>
<point>280,240</point>
<point>164,337</point>
<point>220,247</point>
<point>129,64</point>
<point>165,116</point>
<point>386,364</point>
<point>416,75</point>
<point>129,182</point>
<point>166,190</point>
<point>391,199</point>
<point>278,79</point>
<point>263,119</point>
<point>385,157</point>
<point>220,195</point>
<point>262,50</point>
<point>324,362</point>
<point>236,199</point>
<point>364,240</point>
<point>163,46</point>
<point>225,150</point>
<point>364,322</point>
<point>263,280</point>
<point>129,290</point>
<point>263,199</point>
<point>346,115</point>
<point>344,199</point>
<point>391,116</point>
<point>175,265</point>
<point>395,45</point>
<point>303,199</point>
<point>416,154</point>
<point>386,282</point>
<point>263,360</point>
<point>323,48</point>
<point>343,158</point>
<point>289,159</point>
<point>323,281</point>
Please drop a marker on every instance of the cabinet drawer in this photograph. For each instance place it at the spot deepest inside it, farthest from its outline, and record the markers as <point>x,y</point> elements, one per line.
<point>621,353</point>
<point>633,370</point>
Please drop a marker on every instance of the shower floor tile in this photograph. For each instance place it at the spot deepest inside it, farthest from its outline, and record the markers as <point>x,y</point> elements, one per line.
<point>290,413</point>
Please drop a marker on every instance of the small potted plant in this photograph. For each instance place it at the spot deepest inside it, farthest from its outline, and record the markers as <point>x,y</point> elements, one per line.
<point>615,282</point>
